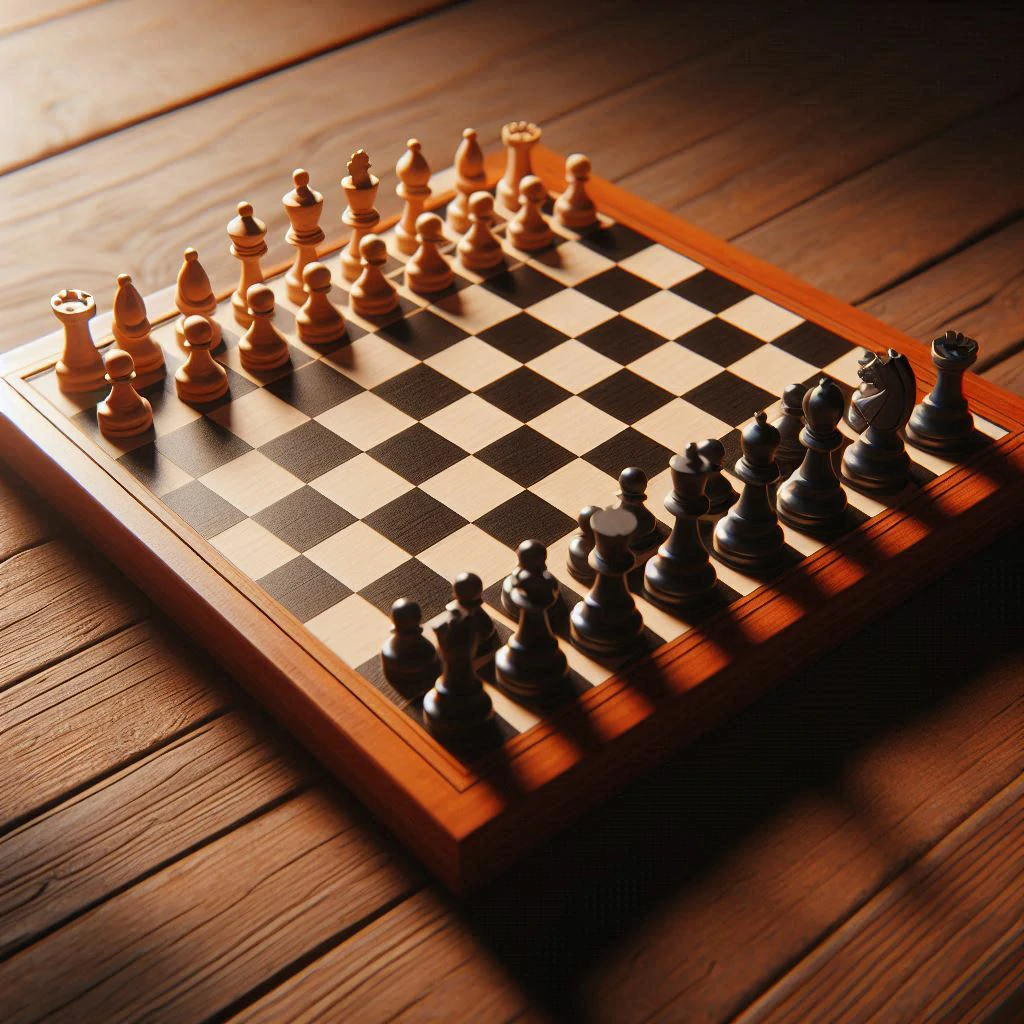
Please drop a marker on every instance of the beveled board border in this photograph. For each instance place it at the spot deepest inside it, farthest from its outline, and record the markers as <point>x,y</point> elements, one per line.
<point>468,821</point>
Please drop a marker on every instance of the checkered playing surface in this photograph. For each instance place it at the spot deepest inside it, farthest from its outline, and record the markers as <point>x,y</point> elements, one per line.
<point>437,440</point>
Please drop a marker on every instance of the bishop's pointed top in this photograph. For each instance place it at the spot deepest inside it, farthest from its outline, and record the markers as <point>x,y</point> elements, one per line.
<point>412,167</point>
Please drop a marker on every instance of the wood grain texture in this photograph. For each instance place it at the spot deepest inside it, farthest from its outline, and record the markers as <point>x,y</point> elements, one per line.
<point>90,713</point>
<point>148,57</point>
<point>419,962</point>
<point>135,820</point>
<point>56,600</point>
<point>24,521</point>
<point>199,934</point>
<point>929,945</point>
<point>19,14</point>
<point>134,200</point>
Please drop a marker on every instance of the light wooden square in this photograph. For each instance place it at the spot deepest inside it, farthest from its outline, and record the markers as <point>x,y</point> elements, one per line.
<point>354,629</point>
<point>253,549</point>
<point>678,423</point>
<point>577,484</point>
<point>667,314</point>
<point>469,550</point>
<point>370,360</point>
<point>472,363</point>
<point>471,423</point>
<point>357,556</point>
<point>168,475</point>
<point>845,368</point>
<point>470,488</point>
<point>772,369</point>
<point>761,318</point>
<point>571,312</point>
<point>675,368</point>
<point>474,309</point>
<point>361,485</point>
<point>365,420</point>
<point>573,366</point>
<point>570,263</point>
<point>251,482</point>
<point>577,425</point>
<point>661,266</point>
<point>258,417</point>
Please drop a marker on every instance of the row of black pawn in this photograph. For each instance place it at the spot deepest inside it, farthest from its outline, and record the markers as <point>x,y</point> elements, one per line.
<point>677,570</point>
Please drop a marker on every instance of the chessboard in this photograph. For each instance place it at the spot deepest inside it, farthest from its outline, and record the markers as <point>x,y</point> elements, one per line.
<point>279,524</point>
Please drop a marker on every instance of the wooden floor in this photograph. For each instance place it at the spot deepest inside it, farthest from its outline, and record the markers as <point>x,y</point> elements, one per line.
<point>850,848</point>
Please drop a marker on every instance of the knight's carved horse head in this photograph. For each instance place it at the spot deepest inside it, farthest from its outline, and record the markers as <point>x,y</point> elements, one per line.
<point>886,395</point>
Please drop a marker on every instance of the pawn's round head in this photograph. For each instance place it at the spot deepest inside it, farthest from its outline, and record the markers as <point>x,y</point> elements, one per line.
<point>119,365</point>
<point>191,255</point>
<point>429,228</point>
<point>374,250</point>
<point>531,190</point>
<point>469,133</point>
<point>300,177</point>
<point>123,280</point>
<point>245,209</point>
<point>198,331</point>
<point>468,587</point>
<point>406,614</point>
<point>533,556</point>
<point>316,277</point>
<point>577,167</point>
<point>713,450</point>
<point>586,514</point>
<point>633,481</point>
<point>260,299</point>
<point>481,206</point>
<point>793,397</point>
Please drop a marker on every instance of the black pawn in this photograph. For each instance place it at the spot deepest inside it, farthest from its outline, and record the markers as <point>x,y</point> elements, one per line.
<point>720,492</point>
<point>531,664</point>
<point>941,422</point>
<point>580,546</point>
<point>813,499</point>
<point>877,462</point>
<point>458,710</point>
<point>681,573</point>
<point>632,497</point>
<point>790,452</point>
<point>559,611</point>
<point>408,658</point>
<point>468,591</point>
<point>750,537</point>
<point>607,623</point>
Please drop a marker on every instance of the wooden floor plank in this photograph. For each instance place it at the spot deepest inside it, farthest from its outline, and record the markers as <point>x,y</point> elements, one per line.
<point>1009,373</point>
<point>417,962</point>
<point>133,201</point>
<point>137,819</point>
<point>200,934</point>
<point>859,237</point>
<point>56,600</point>
<point>149,59</point>
<point>839,110</point>
<point>24,521</point>
<point>940,929</point>
<point>16,15</point>
<point>84,716</point>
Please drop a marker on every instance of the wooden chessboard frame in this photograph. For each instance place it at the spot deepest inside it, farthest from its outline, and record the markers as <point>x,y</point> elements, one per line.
<point>468,821</point>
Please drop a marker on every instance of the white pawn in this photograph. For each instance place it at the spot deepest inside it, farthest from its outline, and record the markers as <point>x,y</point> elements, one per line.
<point>124,412</point>
<point>263,347</point>
<point>470,177</point>
<point>574,208</point>
<point>413,174</point>
<point>529,230</point>
<point>373,294</point>
<point>319,322</point>
<point>200,378</point>
<point>428,271</point>
<point>130,328</point>
<point>194,297</point>
<point>479,248</point>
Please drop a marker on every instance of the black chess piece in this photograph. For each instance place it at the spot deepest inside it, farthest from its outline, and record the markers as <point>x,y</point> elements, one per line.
<point>813,499</point>
<point>409,660</point>
<point>877,462</point>
<point>681,573</point>
<point>458,710</point>
<point>790,452</point>
<point>750,537</point>
<point>580,546</point>
<point>468,591</point>
<point>941,422</point>
<point>633,497</point>
<point>607,622</point>
<point>719,491</point>
<point>559,613</point>
<point>531,664</point>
